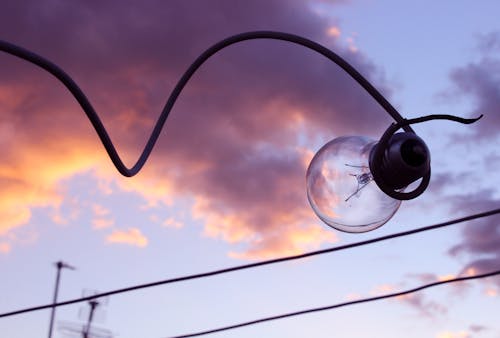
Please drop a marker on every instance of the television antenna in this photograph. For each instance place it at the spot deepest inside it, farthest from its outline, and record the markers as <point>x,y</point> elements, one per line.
<point>87,330</point>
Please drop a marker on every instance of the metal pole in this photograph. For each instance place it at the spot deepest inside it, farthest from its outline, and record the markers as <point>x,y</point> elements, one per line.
<point>59,265</point>
<point>93,304</point>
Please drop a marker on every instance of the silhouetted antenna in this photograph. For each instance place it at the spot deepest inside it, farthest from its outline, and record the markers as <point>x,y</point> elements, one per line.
<point>99,313</point>
<point>90,314</point>
<point>77,330</point>
<point>59,265</point>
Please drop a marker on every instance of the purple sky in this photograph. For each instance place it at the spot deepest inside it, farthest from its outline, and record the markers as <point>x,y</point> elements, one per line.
<point>228,170</point>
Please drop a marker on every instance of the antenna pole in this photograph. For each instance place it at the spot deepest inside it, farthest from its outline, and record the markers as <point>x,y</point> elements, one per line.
<point>93,305</point>
<point>59,265</point>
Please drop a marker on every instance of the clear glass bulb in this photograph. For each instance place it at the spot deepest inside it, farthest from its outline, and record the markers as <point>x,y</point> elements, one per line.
<point>341,189</point>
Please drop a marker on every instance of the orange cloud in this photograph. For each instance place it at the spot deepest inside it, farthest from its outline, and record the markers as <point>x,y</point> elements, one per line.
<point>383,289</point>
<point>287,232</point>
<point>469,272</point>
<point>491,292</point>
<point>156,188</point>
<point>38,153</point>
<point>32,177</point>
<point>306,155</point>
<point>333,31</point>
<point>101,220</point>
<point>99,210</point>
<point>353,296</point>
<point>449,334</point>
<point>291,240</point>
<point>231,146</point>
<point>173,223</point>
<point>102,223</point>
<point>132,236</point>
<point>446,277</point>
<point>4,248</point>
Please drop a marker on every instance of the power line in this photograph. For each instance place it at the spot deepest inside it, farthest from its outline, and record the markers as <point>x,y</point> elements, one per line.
<point>335,306</point>
<point>257,264</point>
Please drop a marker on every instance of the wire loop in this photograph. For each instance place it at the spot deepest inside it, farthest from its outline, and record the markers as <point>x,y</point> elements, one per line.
<point>71,85</point>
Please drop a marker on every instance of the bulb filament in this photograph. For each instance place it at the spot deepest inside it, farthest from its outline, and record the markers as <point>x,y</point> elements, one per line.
<point>362,179</point>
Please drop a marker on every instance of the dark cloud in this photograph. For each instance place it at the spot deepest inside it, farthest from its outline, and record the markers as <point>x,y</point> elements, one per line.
<point>233,139</point>
<point>477,328</point>
<point>481,81</point>
<point>489,42</point>
<point>480,238</point>
<point>426,308</point>
<point>441,183</point>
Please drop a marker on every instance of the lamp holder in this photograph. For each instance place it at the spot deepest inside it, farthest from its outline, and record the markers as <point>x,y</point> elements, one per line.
<point>399,159</point>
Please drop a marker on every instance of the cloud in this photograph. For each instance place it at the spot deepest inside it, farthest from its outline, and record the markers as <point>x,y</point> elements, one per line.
<point>450,334</point>
<point>489,42</point>
<point>333,31</point>
<point>101,218</point>
<point>480,81</point>
<point>102,223</point>
<point>172,223</point>
<point>31,176</point>
<point>426,308</point>
<point>132,236</point>
<point>480,238</point>
<point>477,328</point>
<point>469,333</point>
<point>235,140</point>
<point>417,301</point>
<point>289,241</point>
<point>491,292</point>
<point>4,248</point>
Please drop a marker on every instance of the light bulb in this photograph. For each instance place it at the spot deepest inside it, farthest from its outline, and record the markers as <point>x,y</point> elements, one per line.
<point>341,188</point>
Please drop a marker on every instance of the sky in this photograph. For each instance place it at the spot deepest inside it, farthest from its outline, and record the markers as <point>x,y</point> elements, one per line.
<point>225,184</point>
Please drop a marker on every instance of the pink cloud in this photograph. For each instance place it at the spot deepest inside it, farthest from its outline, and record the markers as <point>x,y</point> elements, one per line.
<point>172,223</point>
<point>289,241</point>
<point>102,223</point>
<point>418,301</point>
<point>132,236</point>
<point>4,248</point>
<point>425,307</point>
<point>451,334</point>
<point>102,219</point>
<point>234,141</point>
<point>333,31</point>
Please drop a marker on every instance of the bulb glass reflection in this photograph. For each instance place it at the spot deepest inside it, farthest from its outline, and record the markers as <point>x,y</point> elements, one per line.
<point>341,189</point>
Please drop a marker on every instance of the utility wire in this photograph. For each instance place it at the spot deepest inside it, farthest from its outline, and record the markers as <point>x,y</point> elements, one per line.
<point>335,306</point>
<point>257,264</point>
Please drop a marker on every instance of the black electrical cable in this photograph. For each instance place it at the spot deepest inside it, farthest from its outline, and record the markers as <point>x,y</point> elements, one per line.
<point>257,264</point>
<point>335,306</point>
<point>89,110</point>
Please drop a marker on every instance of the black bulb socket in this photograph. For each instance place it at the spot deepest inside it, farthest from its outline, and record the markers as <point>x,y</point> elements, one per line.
<point>405,160</point>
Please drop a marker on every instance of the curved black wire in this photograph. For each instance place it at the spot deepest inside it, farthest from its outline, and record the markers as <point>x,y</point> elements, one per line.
<point>101,131</point>
<point>335,306</point>
<point>257,264</point>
